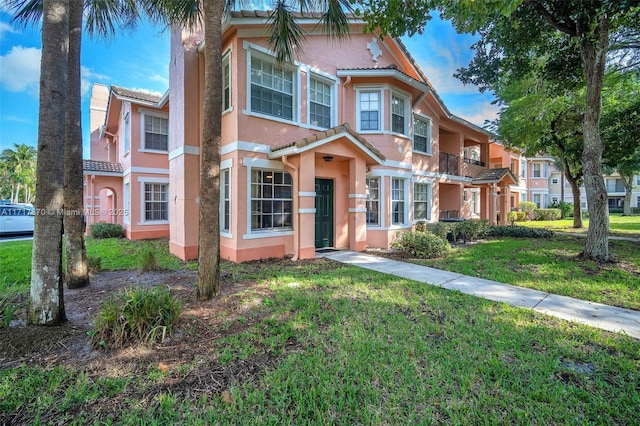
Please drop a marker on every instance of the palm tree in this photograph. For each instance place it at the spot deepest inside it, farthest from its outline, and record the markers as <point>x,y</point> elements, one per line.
<point>286,38</point>
<point>47,302</point>
<point>20,163</point>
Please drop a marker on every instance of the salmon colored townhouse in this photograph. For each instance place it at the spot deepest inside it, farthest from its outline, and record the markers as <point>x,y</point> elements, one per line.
<point>342,148</point>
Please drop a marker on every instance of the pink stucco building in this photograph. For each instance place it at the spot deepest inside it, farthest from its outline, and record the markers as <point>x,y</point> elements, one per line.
<point>342,148</point>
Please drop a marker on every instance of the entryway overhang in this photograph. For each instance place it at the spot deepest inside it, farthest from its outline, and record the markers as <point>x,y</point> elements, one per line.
<point>497,176</point>
<point>316,140</point>
<point>498,181</point>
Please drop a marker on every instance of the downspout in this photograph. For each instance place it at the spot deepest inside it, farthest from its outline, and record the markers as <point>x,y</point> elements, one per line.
<point>296,221</point>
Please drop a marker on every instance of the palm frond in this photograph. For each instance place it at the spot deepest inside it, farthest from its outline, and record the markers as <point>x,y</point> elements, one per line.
<point>24,12</point>
<point>335,20</point>
<point>286,34</point>
<point>102,17</point>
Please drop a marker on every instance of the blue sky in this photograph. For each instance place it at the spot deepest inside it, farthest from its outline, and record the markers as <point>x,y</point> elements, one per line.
<point>139,60</point>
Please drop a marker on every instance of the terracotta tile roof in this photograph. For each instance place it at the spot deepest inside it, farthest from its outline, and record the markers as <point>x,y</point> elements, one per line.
<point>319,136</point>
<point>136,94</point>
<point>101,166</point>
<point>267,14</point>
<point>494,175</point>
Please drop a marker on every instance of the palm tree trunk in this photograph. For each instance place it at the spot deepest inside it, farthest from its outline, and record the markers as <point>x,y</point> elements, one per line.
<point>77,274</point>
<point>593,54</point>
<point>47,302</point>
<point>209,229</point>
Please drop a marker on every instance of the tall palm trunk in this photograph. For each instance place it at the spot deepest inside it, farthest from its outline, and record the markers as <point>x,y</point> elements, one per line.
<point>593,53</point>
<point>77,274</point>
<point>209,230</point>
<point>47,302</point>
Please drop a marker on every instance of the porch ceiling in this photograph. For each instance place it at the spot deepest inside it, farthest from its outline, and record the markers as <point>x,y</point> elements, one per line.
<point>343,131</point>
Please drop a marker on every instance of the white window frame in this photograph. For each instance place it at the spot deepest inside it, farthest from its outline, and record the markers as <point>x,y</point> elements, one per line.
<point>265,55</point>
<point>475,202</point>
<point>429,122</point>
<point>226,167</point>
<point>523,169</point>
<point>143,180</point>
<point>380,180</point>
<point>226,82</point>
<point>406,110</point>
<point>429,201</point>
<point>332,83</point>
<point>127,133</point>
<point>539,202</point>
<point>536,170</point>
<point>370,89</point>
<point>554,181</point>
<point>404,201</point>
<point>144,113</point>
<point>127,202</point>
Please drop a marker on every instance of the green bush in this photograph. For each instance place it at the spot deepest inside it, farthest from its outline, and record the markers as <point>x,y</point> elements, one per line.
<point>106,230</point>
<point>519,232</point>
<point>423,245</point>
<point>136,314</point>
<point>635,210</point>
<point>547,214</point>
<point>566,209</point>
<point>528,207</point>
<point>471,230</point>
<point>442,229</point>
<point>512,217</point>
<point>421,226</point>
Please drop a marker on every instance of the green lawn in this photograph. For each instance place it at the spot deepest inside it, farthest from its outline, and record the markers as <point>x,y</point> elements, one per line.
<point>625,226</point>
<point>349,346</point>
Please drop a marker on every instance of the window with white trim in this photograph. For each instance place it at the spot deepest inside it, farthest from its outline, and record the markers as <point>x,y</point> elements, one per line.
<point>421,201</point>
<point>369,107</point>
<point>537,198</point>
<point>272,88</point>
<point>537,170</point>
<point>156,202</point>
<point>523,169</point>
<point>555,200</point>
<point>127,201</point>
<point>554,181</point>
<point>475,202</point>
<point>421,135</point>
<point>225,200</point>
<point>156,132</point>
<point>226,81</point>
<point>271,200</point>
<point>523,196</point>
<point>127,133</point>
<point>398,201</point>
<point>399,122</point>
<point>320,93</point>
<point>373,201</point>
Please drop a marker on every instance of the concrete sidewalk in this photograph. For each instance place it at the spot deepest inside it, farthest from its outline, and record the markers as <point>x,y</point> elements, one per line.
<point>590,313</point>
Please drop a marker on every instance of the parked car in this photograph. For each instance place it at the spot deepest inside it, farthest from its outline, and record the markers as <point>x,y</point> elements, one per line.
<point>16,219</point>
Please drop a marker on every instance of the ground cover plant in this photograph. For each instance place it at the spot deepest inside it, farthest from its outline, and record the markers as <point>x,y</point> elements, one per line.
<point>624,226</point>
<point>316,342</point>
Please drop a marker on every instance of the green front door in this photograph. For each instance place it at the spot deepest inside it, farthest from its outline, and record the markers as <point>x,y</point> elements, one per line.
<point>324,213</point>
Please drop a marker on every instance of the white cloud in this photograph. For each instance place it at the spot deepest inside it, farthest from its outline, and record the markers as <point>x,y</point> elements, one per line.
<point>479,112</point>
<point>21,69</point>
<point>87,77</point>
<point>149,92</point>
<point>6,28</point>
<point>17,119</point>
<point>160,79</point>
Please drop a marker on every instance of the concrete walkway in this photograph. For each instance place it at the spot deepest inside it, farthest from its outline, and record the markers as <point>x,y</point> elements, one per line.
<point>611,237</point>
<point>590,313</point>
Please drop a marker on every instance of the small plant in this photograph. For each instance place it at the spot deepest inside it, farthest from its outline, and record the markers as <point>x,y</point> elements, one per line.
<point>423,245</point>
<point>136,314</point>
<point>94,263</point>
<point>9,310</point>
<point>528,207</point>
<point>566,209</point>
<point>148,260</point>
<point>106,230</point>
<point>547,214</point>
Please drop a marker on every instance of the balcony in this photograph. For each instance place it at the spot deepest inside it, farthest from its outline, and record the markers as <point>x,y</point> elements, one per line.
<point>474,162</point>
<point>449,214</point>
<point>449,164</point>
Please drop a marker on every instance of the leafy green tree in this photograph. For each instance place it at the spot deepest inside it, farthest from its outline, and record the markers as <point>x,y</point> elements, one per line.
<point>513,31</point>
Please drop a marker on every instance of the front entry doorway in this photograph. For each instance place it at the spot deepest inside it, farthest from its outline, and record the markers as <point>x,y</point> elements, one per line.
<point>324,213</point>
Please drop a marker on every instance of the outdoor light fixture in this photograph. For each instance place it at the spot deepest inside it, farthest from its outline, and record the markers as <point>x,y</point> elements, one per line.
<point>328,158</point>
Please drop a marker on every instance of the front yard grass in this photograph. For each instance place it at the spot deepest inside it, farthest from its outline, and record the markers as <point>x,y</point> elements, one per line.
<point>621,226</point>
<point>350,346</point>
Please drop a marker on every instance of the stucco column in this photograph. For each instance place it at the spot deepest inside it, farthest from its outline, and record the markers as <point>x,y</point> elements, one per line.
<point>505,196</point>
<point>493,204</point>
<point>306,206</point>
<point>184,148</point>
<point>357,205</point>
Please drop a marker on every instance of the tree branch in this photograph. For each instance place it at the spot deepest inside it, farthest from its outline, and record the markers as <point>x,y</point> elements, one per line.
<point>562,26</point>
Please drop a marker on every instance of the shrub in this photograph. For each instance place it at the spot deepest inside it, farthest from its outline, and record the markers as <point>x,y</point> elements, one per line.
<point>528,207</point>
<point>635,210</point>
<point>547,214</point>
<point>442,229</point>
<point>566,209</point>
<point>136,314</point>
<point>512,217</point>
<point>421,226</point>
<point>423,245</point>
<point>471,230</point>
<point>106,230</point>
<point>519,232</point>
<point>148,261</point>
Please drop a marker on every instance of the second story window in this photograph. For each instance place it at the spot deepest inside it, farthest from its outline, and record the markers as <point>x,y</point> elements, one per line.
<point>156,133</point>
<point>319,103</point>
<point>537,170</point>
<point>127,133</point>
<point>422,135</point>
<point>399,122</point>
<point>226,82</point>
<point>271,89</point>
<point>369,107</point>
